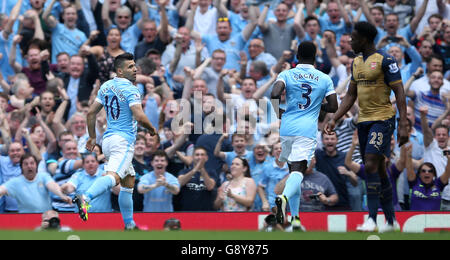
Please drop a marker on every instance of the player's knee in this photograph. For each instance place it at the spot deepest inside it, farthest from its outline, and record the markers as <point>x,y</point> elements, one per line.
<point>128,182</point>
<point>371,164</point>
<point>115,176</point>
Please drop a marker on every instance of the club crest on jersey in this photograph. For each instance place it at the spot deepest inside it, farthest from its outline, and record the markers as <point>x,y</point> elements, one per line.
<point>393,68</point>
<point>373,65</point>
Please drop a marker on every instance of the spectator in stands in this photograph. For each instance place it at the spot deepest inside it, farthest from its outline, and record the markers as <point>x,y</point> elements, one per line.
<point>38,70</point>
<point>78,127</point>
<point>10,168</point>
<point>237,194</point>
<point>392,26</point>
<point>401,10</point>
<point>62,61</point>
<point>80,182</point>
<point>65,37</point>
<point>258,162</point>
<point>434,63</point>
<point>436,143</point>
<point>152,37</point>
<point>38,186</point>
<point>105,54</point>
<point>444,51</point>
<point>277,36</point>
<point>6,30</point>
<point>210,74</point>
<point>433,99</point>
<point>256,51</point>
<point>123,19</point>
<point>159,185</point>
<point>406,69</point>
<point>223,39</point>
<point>66,166</point>
<point>239,143</point>
<point>141,168</point>
<point>272,174</point>
<point>79,83</point>
<point>198,184</point>
<point>336,19</point>
<point>426,185</point>
<point>331,162</point>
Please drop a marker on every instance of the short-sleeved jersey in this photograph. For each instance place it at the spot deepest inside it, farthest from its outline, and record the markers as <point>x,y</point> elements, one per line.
<point>306,87</point>
<point>372,76</point>
<point>32,196</point>
<point>117,96</point>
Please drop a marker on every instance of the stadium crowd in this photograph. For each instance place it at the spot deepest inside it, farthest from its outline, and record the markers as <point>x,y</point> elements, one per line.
<point>205,72</point>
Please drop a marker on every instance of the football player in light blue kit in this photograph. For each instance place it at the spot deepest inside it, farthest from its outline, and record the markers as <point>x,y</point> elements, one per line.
<point>306,88</point>
<point>122,103</point>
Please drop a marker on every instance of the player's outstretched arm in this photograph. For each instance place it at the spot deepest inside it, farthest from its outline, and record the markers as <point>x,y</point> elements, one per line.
<point>142,119</point>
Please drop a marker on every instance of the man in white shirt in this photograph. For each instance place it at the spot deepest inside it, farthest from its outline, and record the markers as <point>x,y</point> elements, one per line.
<point>436,143</point>
<point>422,84</point>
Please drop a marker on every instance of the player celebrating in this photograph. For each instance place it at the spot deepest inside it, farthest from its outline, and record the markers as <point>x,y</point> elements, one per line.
<point>122,102</point>
<point>305,88</point>
<point>374,74</point>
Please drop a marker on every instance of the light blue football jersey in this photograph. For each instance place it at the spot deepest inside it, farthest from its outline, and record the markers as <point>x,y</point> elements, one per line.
<point>117,96</point>
<point>306,87</point>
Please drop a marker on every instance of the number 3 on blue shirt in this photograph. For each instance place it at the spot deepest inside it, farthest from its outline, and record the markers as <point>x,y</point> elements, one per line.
<point>305,96</point>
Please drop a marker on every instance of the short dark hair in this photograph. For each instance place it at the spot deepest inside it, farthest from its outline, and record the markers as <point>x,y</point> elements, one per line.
<point>306,51</point>
<point>366,30</point>
<point>119,60</point>
<point>160,153</point>
<point>441,126</point>
<point>311,18</point>
<point>28,156</point>
<point>437,15</point>
<point>152,51</point>
<point>147,65</point>
<point>200,148</point>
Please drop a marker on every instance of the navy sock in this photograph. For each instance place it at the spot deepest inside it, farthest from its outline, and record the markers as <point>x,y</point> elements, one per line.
<point>373,194</point>
<point>386,201</point>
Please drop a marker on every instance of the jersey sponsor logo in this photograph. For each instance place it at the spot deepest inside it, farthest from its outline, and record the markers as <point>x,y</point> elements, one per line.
<point>393,68</point>
<point>373,65</point>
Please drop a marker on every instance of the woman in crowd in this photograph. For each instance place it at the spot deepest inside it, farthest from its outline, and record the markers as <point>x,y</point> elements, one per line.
<point>105,56</point>
<point>237,194</point>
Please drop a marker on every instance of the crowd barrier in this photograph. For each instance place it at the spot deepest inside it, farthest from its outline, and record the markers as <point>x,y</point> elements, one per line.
<point>415,222</point>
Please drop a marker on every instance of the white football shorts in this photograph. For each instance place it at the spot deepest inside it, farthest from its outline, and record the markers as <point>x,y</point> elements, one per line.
<point>119,153</point>
<point>297,149</point>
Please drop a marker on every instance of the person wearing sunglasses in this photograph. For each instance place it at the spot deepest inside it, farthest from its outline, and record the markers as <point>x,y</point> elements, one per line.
<point>425,184</point>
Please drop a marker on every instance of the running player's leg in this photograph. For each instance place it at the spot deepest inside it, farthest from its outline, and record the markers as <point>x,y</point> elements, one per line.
<point>126,201</point>
<point>292,190</point>
<point>372,162</point>
<point>386,194</point>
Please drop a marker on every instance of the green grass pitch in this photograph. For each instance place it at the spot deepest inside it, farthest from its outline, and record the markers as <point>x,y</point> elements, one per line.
<point>214,235</point>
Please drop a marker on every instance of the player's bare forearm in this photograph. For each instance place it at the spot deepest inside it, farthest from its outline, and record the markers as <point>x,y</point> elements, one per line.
<point>332,104</point>
<point>345,106</point>
<point>91,118</point>
<point>277,90</point>
<point>401,106</point>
